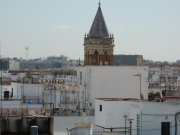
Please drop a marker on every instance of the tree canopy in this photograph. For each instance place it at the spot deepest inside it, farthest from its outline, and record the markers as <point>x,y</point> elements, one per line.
<point>152,95</point>
<point>65,72</point>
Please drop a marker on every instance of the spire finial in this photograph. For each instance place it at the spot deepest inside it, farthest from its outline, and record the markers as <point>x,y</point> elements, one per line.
<point>99,3</point>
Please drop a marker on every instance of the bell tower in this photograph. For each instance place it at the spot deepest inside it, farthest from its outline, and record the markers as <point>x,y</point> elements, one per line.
<point>98,44</point>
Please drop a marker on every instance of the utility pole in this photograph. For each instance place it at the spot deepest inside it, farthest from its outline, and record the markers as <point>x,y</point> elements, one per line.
<point>54,91</point>
<point>160,78</point>
<point>165,89</point>
<point>1,77</point>
<point>125,123</point>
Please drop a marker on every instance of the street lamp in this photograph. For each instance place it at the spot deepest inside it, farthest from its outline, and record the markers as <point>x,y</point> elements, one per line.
<point>141,96</point>
<point>130,120</point>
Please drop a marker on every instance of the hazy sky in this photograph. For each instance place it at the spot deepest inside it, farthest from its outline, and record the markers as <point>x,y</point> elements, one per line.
<point>54,27</point>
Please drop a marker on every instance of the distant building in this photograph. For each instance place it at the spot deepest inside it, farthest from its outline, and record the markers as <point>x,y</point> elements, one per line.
<point>23,65</point>
<point>14,65</point>
<point>128,60</point>
<point>4,64</point>
<point>52,62</point>
<point>65,61</point>
<point>178,61</point>
<point>147,62</point>
<point>40,64</point>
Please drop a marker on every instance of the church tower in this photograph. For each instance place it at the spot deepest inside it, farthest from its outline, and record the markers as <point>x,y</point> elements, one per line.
<point>98,44</point>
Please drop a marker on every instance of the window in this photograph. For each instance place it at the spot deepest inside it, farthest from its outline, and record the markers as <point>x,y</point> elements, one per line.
<point>100,108</point>
<point>80,78</point>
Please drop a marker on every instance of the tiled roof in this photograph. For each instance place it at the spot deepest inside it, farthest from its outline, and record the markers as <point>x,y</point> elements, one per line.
<point>99,28</point>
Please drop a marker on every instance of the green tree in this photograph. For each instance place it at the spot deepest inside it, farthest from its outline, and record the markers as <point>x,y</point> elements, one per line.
<point>29,76</point>
<point>65,72</point>
<point>152,95</point>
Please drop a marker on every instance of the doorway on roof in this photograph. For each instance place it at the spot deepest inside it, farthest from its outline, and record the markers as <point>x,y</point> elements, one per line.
<point>165,128</point>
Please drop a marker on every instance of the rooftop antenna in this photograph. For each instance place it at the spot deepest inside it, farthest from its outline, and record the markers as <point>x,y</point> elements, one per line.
<point>99,3</point>
<point>27,49</point>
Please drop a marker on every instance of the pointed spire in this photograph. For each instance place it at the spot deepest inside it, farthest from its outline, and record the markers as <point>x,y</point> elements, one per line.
<point>99,3</point>
<point>99,27</point>
<point>85,35</point>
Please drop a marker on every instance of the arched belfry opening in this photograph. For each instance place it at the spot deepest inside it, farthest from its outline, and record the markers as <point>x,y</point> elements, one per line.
<point>98,43</point>
<point>106,58</point>
<point>96,58</point>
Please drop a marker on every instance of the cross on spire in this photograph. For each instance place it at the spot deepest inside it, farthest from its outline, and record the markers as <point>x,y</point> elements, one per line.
<point>99,3</point>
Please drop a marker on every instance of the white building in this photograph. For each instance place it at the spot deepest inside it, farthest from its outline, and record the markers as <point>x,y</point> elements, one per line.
<point>71,80</point>
<point>5,74</point>
<point>111,82</point>
<point>52,79</point>
<point>17,90</point>
<point>15,97</point>
<point>13,65</point>
<point>149,118</point>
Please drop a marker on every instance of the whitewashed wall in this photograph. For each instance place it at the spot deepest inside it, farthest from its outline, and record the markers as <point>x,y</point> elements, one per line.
<point>113,81</point>
<point>29,90</point>
<point>72,80</point>
<point>49,97</point>
<point>152,114</point>
<point>16,90</point>
<point>32,89</point>
<point>101,115</point>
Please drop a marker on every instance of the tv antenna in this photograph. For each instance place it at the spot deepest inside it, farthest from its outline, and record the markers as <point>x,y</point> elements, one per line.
<point>27,49</point>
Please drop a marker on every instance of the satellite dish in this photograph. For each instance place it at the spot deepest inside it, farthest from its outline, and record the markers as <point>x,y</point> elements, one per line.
<point>31,112</point>
<point>142,97</point>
